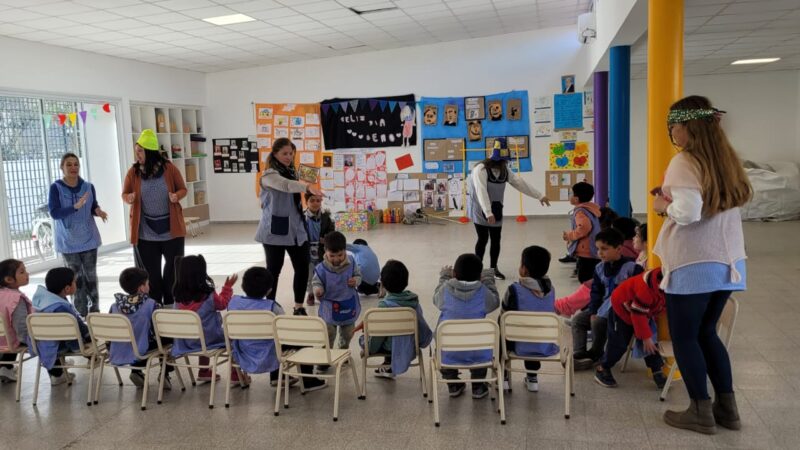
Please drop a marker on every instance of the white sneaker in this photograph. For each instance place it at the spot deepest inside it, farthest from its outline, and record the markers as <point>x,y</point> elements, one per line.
<point>65,377</point>
<point>7,375</point>
<point>532,383</point>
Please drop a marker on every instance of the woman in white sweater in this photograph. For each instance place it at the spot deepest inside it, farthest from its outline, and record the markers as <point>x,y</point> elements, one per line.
<point>701,247</point>
<point>487,186</point>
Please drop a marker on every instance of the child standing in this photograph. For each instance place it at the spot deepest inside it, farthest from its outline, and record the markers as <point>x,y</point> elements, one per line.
<point>394,279</point>
<point>466,291</point>
<point>138,307</point>
<point>635,303</point>
<point>584,226</point>
<point>194,291</point>
<point>640,245</point>
<point>367,262</point>
<point>627,227</point>
<point>533,292</point>
<point>335,281</point>
<point>613,270</point>
<point>319,225</point>
<point>14,308</point>
<point>52,298</point>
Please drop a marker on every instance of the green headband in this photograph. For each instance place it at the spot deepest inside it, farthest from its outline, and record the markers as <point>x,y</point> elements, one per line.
<point>685,115</point>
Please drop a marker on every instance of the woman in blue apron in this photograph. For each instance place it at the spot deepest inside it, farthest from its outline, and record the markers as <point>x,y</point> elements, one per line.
<point>487,186</point>
<point>72,204</point>
<point>282,228</point>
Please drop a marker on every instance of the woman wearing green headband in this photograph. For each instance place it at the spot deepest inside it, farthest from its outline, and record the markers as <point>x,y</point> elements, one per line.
<point>154,188</point>
<point>701,247</point>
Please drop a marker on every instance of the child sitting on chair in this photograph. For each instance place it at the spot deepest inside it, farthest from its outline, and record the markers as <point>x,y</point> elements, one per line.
<point>138,307</point>
<point>52,298</point>
<point>466,291</point>
<point>15,308</point>
<point>194,291</point>
<point>635,304</point>
<point>394,280</point>
<point>533,292</point>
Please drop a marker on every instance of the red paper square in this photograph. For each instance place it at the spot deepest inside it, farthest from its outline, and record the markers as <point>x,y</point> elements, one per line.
<point>404,162</point>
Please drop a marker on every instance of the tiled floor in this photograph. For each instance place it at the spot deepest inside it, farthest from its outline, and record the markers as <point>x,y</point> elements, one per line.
<point>395,415</point>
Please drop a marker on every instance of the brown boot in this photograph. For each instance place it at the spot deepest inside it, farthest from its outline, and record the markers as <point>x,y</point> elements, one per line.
<point>697,418</point>
<point>726,413</point>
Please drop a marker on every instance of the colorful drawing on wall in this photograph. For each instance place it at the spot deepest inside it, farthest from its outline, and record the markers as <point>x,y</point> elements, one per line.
<point>588,104</point>
<point>568,111</point>
<point>358,180</point>
<point>569,155</point>
<point>430,115</point>
<point>369,122</point>
<point>509,108</point>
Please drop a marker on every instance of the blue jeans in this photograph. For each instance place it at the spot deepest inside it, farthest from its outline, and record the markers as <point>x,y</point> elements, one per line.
<point>698,349</point>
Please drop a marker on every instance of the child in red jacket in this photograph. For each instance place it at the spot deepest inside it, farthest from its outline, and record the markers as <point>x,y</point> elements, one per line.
<point>634,303</point>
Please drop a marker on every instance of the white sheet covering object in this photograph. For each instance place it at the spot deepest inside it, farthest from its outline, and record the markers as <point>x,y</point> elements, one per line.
<point>776,191</point>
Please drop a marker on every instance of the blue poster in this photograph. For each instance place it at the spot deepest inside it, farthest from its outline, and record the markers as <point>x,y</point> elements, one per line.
<point>568,111</point>
<point>504,114</point>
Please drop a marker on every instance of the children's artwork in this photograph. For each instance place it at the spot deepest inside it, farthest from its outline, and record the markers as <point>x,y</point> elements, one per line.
<point>308,173</point>
<point>443,149</point>
<point>567,84</point>
<point>514,109</point>
<point>450,115</point>
<point>281,121</point>
<point>474,108</point>
<point>240,160</point>
<point>570,135</point>
<point>474,130</point>
<point>298,121</point>
<point>542,115</point>
<point>264,113</point>
<point>281,132</point>
<point>440,203</point>
<point>351,221</point>
<point>544,101</point>
<point>369,122</point>
<point>430,115</point>
<point>495,110</point>
<point>362,177</point>
<point>543,130</point>
<point>569,155</point>
<point>568,110</point>
<point>312,132</point>
<point>559,183</point>
<point>588,104</point>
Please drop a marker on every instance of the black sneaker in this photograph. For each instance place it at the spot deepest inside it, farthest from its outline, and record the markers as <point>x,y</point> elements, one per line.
<point>660,379</point>
<point>137,378</point>
<point>479,390</point>
<point>313,384</point>
<point>584,364</point>
<point>604,378</point>
<point>567,259</point>
<point>300,311</point>
<point>498,275</point>
<point>456,389</point>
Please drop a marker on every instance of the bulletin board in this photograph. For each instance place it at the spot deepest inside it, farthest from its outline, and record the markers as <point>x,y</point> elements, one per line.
<point>354,179</point>
<point>473,119</point>
<point>559,183</point>
<point>235,155</point>
<point>430,192</point>
<point>369,122</point>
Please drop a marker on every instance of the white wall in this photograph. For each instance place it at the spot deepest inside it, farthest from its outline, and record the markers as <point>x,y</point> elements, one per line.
<point>762,120</point>
<point>533,61</point>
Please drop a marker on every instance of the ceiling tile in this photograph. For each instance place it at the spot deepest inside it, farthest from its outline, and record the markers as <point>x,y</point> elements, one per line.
<point>59,8</point>
<point>18,15</point>
<point>92,17</point>
<point>180,5</point>
<point>139,10</point>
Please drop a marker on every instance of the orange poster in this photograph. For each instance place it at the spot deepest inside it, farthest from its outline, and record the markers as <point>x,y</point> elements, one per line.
<point>300,122</point>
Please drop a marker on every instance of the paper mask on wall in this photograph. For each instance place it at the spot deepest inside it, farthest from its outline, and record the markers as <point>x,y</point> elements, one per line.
<point>474,108</point>
<point>495,110</point>
<point>474,130</point>
<point>430,115</point>
<point>514,109</point>
<point>450,115</point>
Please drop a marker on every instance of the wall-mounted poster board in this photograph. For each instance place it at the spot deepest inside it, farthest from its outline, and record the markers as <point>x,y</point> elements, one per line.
<point>235,155</point>
<point>443,149</point>
<point>559,183</point>
<point>568,111</point>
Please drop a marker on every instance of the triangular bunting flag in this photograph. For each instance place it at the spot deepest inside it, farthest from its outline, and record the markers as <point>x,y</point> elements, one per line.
<point>107,107</point>
<point>383,104</point>
<point>392,105</point>
<point>325,108</point>
<point>93,110</point>
<point>335,107</point>
<point>73,117</point>
<point>402,105</point>
<point>47,119</point>
<point>354,105</point>
<point>62,118</point>
<point>83,116</point>
<point>344,106</point>
<point>372,104</point>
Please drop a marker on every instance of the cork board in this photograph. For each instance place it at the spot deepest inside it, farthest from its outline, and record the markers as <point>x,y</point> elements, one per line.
<point>559,183</point>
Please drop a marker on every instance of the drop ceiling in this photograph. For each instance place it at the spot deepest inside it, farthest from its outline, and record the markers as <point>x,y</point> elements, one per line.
<point>171,32</point>
<point>718,32</point>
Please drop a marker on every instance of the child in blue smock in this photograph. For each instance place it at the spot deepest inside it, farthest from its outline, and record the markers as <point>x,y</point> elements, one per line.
<point>367,262</point>
<point>394,280</point>
<point>52,298</point>
<point>533,292</point>
<point>466,291</point>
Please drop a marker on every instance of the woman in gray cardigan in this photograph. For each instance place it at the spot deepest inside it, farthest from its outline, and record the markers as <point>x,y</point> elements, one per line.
<point>282,228</point>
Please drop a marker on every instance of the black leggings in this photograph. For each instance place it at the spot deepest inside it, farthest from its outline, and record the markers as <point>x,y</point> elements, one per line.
<point>148,256</point>
<point>484,233</point>
<point>300,258</point>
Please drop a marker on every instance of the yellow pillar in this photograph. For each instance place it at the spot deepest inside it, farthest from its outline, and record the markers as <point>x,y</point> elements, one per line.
<point>664,87</point>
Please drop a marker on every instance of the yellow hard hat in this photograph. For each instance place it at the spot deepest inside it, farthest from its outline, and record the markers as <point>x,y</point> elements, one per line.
<point>148,140</point>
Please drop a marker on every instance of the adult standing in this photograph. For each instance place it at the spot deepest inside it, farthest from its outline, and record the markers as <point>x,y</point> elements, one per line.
<point>73,206</point>
<point>701,247</point>
<point>282,228</point>
<point>487,187</point>
<point>154,188</point>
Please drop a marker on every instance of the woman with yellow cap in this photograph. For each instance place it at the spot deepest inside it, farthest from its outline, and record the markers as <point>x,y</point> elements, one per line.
<point>154,187</point>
